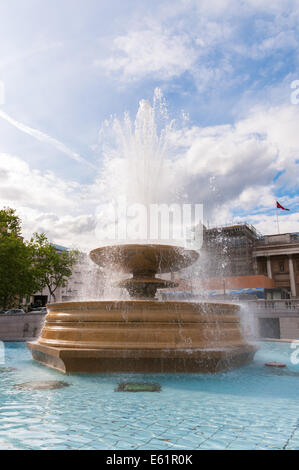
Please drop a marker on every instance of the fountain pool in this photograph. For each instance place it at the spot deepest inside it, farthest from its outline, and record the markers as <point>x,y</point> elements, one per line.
<point>253,407</point>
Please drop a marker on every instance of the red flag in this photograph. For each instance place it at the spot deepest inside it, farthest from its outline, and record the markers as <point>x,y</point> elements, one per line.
<point>279,206</point>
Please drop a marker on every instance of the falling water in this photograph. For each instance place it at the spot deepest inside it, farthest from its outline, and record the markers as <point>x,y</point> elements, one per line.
<point>140,156</point>
<point>141,165</point>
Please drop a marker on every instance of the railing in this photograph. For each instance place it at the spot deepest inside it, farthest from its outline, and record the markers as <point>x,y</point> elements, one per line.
<point>269,306</point>
<point>291,240</point>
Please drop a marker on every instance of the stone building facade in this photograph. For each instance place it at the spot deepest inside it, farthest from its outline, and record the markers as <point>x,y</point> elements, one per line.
<point>242,258</point>
<point>277,256</point>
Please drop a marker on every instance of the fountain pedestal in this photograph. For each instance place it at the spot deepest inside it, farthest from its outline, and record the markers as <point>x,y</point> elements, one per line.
<point>142,335</point>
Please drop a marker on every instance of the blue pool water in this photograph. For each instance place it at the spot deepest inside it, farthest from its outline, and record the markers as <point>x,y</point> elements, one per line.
<point>254,407</point>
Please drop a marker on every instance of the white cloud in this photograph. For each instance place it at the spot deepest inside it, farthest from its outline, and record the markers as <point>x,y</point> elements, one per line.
<point>46,203</point>
<point>205,39</point>
<point>164,52</point>
<point>22,185</point>
<point>267,224</point>
<point>242,161</point>
<point>68,230</point>
<point>154,51</point>
<point>283,40</point>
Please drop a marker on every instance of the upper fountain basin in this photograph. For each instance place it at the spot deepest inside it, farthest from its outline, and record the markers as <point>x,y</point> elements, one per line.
<point>144,259</point>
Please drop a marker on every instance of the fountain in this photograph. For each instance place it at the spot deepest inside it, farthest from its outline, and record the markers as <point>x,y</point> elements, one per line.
<point>142,334</point>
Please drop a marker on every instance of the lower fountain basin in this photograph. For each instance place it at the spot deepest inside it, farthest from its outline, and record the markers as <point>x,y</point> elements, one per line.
<point>141,336</point>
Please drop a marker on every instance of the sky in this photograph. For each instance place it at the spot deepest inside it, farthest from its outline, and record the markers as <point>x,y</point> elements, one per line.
<point>226,69</point>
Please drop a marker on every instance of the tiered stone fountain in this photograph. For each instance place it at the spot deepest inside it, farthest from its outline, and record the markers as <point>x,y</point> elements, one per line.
<point>142,334</point>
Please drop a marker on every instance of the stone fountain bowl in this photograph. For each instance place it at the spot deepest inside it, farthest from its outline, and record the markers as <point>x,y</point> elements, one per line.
<point>144,259</point>
<point>142,334</point>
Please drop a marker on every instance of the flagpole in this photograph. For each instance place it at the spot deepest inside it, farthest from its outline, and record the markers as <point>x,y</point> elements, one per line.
<point>279,206</point>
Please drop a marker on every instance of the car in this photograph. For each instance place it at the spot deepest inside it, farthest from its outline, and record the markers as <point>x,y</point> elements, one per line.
<point>38,310</point>
<point>12,311</point>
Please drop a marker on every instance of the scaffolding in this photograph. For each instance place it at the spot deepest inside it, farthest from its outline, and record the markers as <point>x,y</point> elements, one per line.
<point>229,250</point>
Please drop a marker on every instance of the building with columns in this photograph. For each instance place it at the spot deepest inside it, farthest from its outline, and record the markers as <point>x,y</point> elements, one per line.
<point>238,259</point>
<point>277,257</point>
<point>260,271</point>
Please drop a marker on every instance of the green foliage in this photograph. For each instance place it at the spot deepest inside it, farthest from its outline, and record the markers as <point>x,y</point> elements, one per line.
<point>18,277</point>
<point>10,223</point>
<point>28,267</point>
<point>53,268</point>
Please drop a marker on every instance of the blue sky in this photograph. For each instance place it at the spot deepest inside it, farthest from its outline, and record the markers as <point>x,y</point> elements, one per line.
<point>68,65</point>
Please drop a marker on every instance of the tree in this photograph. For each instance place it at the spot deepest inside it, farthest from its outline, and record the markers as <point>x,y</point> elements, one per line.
<point>28,267</point>
<point>53,268</point>
<point>10,223</point>
<point>18,276</point>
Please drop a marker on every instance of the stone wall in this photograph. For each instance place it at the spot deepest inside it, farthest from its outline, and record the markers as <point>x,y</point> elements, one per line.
<point>25,327</point>
<point>289,327</point>
<point>28,326</point>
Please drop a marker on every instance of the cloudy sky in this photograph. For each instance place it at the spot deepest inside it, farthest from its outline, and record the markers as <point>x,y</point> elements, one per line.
<point>226,66</point>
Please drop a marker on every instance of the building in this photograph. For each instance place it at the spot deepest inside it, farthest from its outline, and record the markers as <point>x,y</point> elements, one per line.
<point>277,256</point>
<point>229,250</point>
<point>241,265</point>
<point>239,261</point>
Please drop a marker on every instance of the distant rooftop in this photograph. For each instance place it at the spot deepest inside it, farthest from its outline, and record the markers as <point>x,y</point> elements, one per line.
<point>245,227</point>
<point>236,227</point>
<point>59,247</point>
<point>280,238</point>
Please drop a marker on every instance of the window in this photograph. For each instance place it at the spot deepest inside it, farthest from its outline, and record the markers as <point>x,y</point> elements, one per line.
<point>263,268</point>
<point>281,266</point>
